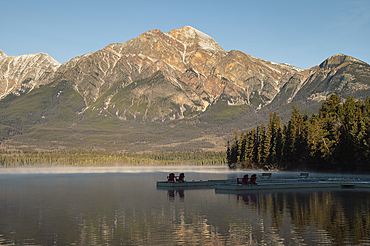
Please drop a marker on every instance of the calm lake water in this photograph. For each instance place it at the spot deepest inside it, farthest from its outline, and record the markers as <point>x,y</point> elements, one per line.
<point>122,206</point>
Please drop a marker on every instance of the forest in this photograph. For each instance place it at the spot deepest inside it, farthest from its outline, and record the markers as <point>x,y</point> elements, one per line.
<point>59,158</point>
<point>337,138</point>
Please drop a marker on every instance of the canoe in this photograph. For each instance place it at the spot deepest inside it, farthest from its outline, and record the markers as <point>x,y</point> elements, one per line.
<point>201,183</point>
<point>292,185</point>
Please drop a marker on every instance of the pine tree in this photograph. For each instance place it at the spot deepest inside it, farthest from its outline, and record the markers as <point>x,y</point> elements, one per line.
<point>279,143</point>
<point>290,138</point>
<point>250,148</point>
<point>255,154</point>
<point>300,147</point>
<point>228,155</point>
<point>272,136</point>
<point>345,147</point>
<point>234,155</point>
<point>262,151</point>
<point>242,147</point>
<point>330,106</point>
<point>361,145</point>
<point>366,108</point>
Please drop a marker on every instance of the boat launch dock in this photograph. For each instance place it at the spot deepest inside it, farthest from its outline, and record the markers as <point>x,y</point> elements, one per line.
<point>296,184</point>
<point>206,183</point>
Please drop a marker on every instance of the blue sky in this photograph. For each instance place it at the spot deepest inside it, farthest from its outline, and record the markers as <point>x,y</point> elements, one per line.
<point>302,33</point>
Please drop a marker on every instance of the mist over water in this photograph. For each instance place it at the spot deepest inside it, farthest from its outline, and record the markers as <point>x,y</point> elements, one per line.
<point>168,169</point>
<point>120,169</point>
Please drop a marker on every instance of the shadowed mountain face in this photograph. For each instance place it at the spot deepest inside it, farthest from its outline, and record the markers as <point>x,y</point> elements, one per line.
<point>164,77</point>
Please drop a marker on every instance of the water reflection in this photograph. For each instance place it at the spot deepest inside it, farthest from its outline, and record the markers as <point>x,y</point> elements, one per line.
<point>340,216</point>
<point>176,192</point>
<point>248,198</point>
<point>128,209</point>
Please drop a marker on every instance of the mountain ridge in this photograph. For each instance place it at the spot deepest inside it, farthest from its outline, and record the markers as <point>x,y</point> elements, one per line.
<point>21,74</point>
<point>166,77</point>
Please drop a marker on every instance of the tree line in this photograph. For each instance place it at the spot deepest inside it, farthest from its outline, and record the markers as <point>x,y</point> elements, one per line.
<point>337,138</point>
<point>28,158</point>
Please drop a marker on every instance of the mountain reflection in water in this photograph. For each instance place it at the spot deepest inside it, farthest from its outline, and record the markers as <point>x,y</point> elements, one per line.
<point>127,209</point>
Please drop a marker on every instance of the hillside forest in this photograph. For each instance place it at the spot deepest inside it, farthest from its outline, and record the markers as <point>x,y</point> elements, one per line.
<point>337,139</point>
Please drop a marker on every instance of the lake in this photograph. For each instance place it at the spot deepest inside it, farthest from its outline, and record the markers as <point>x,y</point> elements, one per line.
<point>122,206</point>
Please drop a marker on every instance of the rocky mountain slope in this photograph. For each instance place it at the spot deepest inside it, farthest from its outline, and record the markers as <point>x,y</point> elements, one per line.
<point>339,74</point>
<point>197,72</point>
<point>21,74</point>
<point>163,77</point>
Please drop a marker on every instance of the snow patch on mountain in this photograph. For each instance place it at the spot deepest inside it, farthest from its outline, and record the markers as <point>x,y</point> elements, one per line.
<point>189,36</point>
<point>25,72</point>
<point>287,66</point>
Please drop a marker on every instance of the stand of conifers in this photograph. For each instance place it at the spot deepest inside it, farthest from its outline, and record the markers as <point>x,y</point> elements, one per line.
<point>336,139</point>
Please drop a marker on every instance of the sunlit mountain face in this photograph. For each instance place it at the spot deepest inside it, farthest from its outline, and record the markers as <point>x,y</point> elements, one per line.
<point>182,78</point>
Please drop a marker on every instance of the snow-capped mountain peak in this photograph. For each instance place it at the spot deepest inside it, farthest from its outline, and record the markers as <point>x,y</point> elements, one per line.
<point>189,36</point>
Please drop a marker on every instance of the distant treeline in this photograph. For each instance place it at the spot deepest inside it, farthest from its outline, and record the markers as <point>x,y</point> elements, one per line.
<point>335,139</point>
<point>106,158</point>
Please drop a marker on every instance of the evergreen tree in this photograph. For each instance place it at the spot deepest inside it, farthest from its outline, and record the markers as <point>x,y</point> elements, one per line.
<point>255,154</point>
<point>330,107</point>
<point>250,149</point>
<point>234,151</point>
<point>361,145</point>
<point>272,137</point>
<point>279,143</point>
<point>366,108</point>
<point>228,155</point>
<point>290,138</point>
<point>242,147</point>
<point>345,148</point>
<point>262,151</point>
<point>300,147</point>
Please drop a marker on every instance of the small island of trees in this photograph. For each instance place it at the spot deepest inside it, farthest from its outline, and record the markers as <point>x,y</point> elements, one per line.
<point>336,139</point>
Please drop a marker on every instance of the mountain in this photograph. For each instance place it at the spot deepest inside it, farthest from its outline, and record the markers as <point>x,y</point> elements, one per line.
<point>197,73</point>
<point>339,74</point>
<point>21,74</point>
<point>160,91</point>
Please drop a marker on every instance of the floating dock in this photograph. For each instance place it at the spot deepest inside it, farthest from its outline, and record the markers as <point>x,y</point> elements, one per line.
<point>206,183</point>
<point>293,185</point>
<point>268,184</point>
